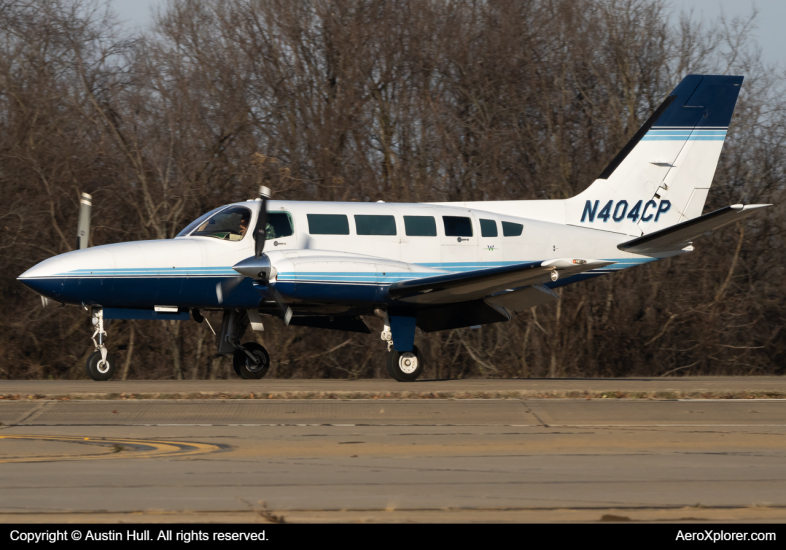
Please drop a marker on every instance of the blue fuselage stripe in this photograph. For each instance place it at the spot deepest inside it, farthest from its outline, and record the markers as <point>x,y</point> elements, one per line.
<point>196,287</point>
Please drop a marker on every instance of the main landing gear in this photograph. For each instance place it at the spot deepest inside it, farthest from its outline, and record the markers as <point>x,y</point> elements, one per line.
<point>405,365</point>
<point>250,360</point>
<point>100,364</point>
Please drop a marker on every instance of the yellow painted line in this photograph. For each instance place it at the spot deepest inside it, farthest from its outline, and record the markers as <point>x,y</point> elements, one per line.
<point>159,449</point>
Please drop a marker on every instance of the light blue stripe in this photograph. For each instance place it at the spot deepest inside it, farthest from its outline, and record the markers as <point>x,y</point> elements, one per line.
<point>470,264</point>
<point>688,132</point>
<point>682,138</point>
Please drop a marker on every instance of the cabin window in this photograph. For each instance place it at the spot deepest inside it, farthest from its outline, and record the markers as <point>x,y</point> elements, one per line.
<point>512,229</point>
<point>199,221</point>
<point>457,226</point>
<point>420,226</point>
<point>328,224</point>
<point>375,225</point>
<point>488,228</point>
<point>230,224</point>
<point>279,224</point>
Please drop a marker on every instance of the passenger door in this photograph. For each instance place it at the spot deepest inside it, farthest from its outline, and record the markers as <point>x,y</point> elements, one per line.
<point>420,241</point>
<point>490,247</point>
<point>459,237</point>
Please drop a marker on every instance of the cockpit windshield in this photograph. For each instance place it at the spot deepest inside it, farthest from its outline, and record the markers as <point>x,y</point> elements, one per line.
<point>197,222</point>
<point>230,224</point>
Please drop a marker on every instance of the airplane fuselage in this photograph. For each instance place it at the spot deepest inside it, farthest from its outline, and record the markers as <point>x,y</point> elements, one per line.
<point>184,271</point>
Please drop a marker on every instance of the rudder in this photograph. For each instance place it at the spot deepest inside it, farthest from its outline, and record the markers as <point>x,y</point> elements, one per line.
<point>662,176</point>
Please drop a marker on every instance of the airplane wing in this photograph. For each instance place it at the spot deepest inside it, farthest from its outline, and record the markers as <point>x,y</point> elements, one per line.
<point>681,235</point>
<point>461,287</point>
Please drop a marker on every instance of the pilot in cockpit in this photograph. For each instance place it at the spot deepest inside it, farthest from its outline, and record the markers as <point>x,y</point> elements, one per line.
<point>242,229</point>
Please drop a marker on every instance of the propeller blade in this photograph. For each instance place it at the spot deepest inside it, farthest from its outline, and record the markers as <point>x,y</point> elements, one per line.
<point>286,311</point>
<point>260,232</point>
<point>226,286</point>
<point>83,229</point>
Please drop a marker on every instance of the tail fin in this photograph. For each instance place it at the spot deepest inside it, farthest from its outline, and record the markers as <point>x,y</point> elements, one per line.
<point>662,176</point>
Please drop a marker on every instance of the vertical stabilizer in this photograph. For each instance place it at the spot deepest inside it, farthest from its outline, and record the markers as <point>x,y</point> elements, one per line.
<point>662,176</point>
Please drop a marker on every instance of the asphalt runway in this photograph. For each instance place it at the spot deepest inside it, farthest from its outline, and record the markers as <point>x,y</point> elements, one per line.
<point>390,460</point>
<point>524,387</point>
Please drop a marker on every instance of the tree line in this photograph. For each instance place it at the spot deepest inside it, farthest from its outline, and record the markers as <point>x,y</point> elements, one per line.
<point>366,100</point>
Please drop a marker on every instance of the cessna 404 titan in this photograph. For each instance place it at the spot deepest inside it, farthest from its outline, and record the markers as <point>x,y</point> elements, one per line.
<point>434,266</point>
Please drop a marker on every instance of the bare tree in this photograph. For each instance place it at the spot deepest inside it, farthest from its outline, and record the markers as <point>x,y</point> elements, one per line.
<point>374,99</point>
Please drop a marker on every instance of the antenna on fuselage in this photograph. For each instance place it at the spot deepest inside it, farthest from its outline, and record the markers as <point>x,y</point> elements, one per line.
<point>83,229</point>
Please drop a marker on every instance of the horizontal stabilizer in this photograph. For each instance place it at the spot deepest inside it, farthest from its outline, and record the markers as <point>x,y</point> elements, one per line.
<point>683,234</point>
<point>471,285</point>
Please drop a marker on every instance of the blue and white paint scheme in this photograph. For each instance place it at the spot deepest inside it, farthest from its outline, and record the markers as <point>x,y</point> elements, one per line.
<point>433,266</point>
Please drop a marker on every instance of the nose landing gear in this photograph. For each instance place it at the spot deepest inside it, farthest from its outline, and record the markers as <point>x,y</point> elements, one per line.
<point>100,365</point>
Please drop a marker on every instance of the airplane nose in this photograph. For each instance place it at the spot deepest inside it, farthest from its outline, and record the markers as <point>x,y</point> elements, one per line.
<point>50,288</point>
<point>51,277</point>
<point>42,278</point>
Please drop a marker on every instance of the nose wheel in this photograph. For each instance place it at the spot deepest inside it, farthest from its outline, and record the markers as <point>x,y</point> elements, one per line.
<point>100,365</point>
<point>405,366</point>
<point>100,368</point>
<point>251,361</point>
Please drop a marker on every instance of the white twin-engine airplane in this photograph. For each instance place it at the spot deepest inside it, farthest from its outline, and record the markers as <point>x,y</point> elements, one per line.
<point>434,266</point>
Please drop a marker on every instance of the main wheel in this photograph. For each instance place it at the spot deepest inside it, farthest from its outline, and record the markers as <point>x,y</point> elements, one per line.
<point>245,367</point>
<point>100,370</point>
<point>405,366</point>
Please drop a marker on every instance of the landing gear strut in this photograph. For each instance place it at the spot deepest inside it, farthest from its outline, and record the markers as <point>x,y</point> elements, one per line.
<point>100,365</point>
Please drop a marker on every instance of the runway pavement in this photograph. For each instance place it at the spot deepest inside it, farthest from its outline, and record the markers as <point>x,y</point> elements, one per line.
<point>706,386</point>
<point>463,460</point>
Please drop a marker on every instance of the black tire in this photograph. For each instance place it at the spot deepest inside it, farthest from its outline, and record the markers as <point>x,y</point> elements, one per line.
<point>99,371</point>
<point>400,365</point>
<point>245,368</point>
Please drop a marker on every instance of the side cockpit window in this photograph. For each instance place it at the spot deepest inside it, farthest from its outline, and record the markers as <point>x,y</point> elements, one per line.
<point>279,224</point>
<point>230,224</point>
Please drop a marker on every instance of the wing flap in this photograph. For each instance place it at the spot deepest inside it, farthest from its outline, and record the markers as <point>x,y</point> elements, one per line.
<point>523,299</point>
<point>683,234</point>
<point>472,285</point>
